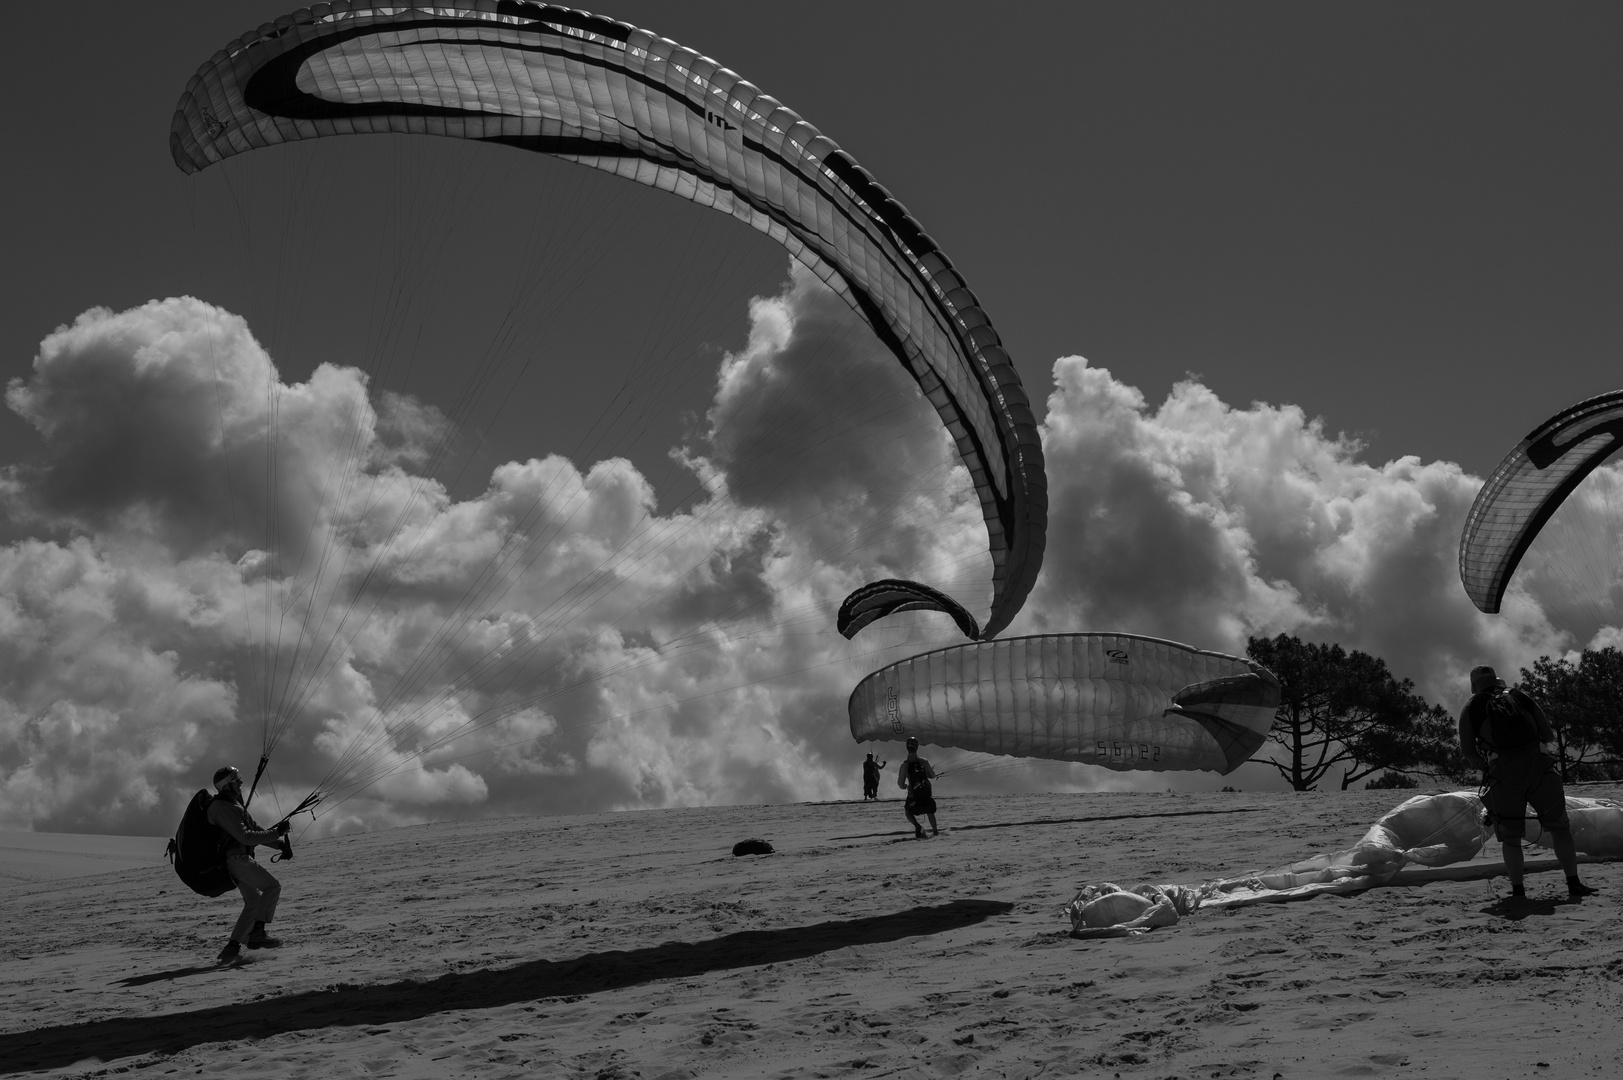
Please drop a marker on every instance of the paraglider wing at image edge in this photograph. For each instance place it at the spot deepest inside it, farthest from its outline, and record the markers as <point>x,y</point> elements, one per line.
<point>1528,486</point>
<point>607,95</point>
<point>1123,701</point>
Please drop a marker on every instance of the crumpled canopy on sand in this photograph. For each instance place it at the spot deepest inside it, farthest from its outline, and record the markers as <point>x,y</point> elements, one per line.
<point>1427,830</point>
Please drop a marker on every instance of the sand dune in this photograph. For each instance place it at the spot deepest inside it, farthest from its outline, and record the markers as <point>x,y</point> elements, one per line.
<point>635,945</point>
<point>33,857</point>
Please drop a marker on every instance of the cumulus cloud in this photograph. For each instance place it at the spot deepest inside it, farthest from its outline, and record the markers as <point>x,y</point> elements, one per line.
<point>208,557</point>
<point>1206,523</point>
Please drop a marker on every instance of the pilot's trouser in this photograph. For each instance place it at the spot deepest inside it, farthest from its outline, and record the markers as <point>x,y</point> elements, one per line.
<point>259,889</point>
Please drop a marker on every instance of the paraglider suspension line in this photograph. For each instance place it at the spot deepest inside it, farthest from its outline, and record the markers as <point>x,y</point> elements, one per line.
<point>264,759</point>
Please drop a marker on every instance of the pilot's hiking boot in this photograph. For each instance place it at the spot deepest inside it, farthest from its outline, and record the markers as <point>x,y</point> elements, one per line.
<point>258,939</point>
<point>1577,889</point>
<point>231,951</point>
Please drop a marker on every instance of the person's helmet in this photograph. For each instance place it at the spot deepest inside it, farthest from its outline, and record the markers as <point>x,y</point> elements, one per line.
<point>226,774</point>
<point>912,743</point>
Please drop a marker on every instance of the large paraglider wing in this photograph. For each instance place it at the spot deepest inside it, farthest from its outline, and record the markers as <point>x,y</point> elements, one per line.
<point>887,597</point>
<point>1117,700</point>
<point>1527,487</point>
<point>616,98</point>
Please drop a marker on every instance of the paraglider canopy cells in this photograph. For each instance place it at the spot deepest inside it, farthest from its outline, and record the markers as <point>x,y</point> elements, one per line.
<point>752,846</point>
<point>1122,701</point>
<point>1526,490</point>
<point>611,97</point>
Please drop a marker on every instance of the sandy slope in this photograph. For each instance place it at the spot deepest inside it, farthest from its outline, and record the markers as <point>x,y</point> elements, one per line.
<point>34,857</point>
<point>635,945</point>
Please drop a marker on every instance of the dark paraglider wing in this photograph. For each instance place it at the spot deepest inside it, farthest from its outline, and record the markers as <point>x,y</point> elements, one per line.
<point>1528,486</point>
<point>1231,709</point>
<point>880,598</point>
<point>1118,700</point>
<point>612,97</point>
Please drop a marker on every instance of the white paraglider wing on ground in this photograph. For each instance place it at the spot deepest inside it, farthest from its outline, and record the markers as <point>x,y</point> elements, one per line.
<point>1431,831</point>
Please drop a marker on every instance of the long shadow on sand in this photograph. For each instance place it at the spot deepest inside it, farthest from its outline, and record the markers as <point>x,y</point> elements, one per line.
<point>167,976</point>
<point>1065,821</point>
<point>349,1006</point>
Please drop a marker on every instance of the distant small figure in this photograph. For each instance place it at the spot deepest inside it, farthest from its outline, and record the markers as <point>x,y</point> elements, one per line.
<point>1503,732</point>
<point>172,850</point>
<point>870,777</point>
<point>914,777</point>
<point>260,890</point>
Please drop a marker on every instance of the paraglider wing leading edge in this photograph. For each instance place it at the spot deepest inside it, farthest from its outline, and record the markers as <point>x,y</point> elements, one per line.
<point>612,97</point>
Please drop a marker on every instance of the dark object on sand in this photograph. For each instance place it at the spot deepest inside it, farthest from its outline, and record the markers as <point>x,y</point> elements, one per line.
<point>753,846</point>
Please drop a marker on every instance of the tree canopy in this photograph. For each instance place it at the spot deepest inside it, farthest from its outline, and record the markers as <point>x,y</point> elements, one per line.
<point>1346,710</point>
<point>1584,701</point>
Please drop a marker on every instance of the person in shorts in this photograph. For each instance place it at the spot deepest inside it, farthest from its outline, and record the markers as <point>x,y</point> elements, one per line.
<point>1518,772</point>
<point>914,777</point>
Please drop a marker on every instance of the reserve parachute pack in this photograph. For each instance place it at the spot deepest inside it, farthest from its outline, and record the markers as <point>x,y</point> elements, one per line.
<point>200,850</point>
<point>1507,722</point>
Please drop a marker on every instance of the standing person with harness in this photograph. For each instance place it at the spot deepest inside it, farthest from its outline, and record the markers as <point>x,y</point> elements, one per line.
<point>914,777</point>
<point>260,890</point>
<point>1503,732</point>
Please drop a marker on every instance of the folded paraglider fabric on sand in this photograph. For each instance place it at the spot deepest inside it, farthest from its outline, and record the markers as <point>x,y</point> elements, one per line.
<point>1428,830</point>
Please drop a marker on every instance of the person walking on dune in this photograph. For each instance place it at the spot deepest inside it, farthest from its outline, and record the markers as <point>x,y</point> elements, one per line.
<point>1503,732</point>
<point>914,777</point>
<point>260,890</point>
<point>870,777</point>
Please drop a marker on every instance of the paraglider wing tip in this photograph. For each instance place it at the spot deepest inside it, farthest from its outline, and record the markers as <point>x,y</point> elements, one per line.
<point>1237,741</point>
<point>1263,673</point>
<point>1236,711</point>
<point>891,595</point>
